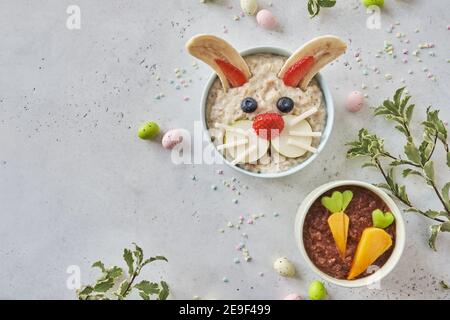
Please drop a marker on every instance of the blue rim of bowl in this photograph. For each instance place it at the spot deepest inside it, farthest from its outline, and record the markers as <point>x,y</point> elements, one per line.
<point>329,106</point>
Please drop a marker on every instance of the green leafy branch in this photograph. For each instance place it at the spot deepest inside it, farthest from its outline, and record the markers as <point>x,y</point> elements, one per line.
<point>315,5</point>
<point>418,160</point>
<point>114,284</point>
<point>444,285</point>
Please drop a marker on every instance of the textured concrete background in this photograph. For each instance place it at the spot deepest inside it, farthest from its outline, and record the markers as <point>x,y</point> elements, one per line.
<point>77,185</point>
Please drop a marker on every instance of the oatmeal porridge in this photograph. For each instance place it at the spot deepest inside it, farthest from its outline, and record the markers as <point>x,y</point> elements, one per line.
<point>266,88</point>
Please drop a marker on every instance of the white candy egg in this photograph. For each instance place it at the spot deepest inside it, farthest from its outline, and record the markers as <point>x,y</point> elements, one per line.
<point>284,267</point>
<point>249,7</point>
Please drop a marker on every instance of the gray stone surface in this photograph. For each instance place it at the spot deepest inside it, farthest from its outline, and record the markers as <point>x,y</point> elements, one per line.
<point>77,185</point>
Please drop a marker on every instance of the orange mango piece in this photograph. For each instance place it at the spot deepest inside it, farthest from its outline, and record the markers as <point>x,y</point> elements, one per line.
<point>373,243</point>
<point>338,223</point>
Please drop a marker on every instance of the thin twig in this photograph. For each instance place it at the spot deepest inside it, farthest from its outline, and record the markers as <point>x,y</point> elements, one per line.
<point>432,183</point>
<point>388,155</point>
<point>405,202</point>
<point>130,283</point>
<point>439,196</point>
<point>434,147</point>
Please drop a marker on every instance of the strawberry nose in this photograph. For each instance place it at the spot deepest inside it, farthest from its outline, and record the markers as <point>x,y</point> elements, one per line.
<point>268,125</point>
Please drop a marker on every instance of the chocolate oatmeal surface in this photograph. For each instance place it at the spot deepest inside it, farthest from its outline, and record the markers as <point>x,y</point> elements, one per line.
<point>318,240</point>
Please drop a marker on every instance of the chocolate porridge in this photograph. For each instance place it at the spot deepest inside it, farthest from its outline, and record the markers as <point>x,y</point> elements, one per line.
<point>318,239</point>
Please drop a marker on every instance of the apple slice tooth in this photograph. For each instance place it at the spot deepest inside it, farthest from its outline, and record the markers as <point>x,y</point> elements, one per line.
<point>242,143</point>
<point>296,139</point>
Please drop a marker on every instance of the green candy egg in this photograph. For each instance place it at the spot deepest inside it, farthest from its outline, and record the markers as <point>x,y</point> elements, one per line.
<point>148,130</point>
<point>317,291</point>
<point>368,3</point>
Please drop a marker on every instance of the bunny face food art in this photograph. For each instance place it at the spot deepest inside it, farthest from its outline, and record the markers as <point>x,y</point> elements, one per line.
<point>266,110</point>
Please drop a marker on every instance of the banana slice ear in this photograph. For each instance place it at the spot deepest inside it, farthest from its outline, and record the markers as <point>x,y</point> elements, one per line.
<point>307,61</point>
<point>229,65</point>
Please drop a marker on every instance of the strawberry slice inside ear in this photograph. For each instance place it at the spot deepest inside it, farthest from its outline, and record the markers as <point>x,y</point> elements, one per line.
<point>235,77</point>
<point>297,71</point>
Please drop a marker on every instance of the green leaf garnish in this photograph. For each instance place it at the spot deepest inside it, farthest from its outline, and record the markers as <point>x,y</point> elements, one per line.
<point>128,257</point>
<point>434,126</point>
<point>367,145</point>
<point>134,259</point>
<point>382,219</point>
<point>163,294</point>
<point>100,265</point>
<point>412,153</point>
<point>347,197</point>
<point>338,201</point>
<point>315,5</point>
<point>87,290</point>
<point>123,287</point>
<point>428,168</point>
<point>104,285</point>
<point>435,230</point>
<point>398,110</point>
<point>147,287</point>
<point>151,259</point>
<point>408,171</point>
<point>416,159</point>
<point>114,272</point>
<point>138,253</point>
<point>446,194</point>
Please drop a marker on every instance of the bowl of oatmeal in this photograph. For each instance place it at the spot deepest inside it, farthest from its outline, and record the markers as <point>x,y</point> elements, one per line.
<point>358,265</point>
<point>221,108</point>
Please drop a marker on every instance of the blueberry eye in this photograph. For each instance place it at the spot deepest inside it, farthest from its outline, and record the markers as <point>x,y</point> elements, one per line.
<point>285,104</point>
<point>249,105</point>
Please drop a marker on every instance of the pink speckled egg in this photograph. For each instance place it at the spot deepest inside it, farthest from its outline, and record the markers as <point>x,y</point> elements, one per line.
<point>293,296</point>
<point>355,101</point>
<point>172,137</point>
<point>266,19</point>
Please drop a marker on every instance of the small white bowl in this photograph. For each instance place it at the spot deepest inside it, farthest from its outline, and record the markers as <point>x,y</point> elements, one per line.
<point>399,233</point>
<point>329,107</point>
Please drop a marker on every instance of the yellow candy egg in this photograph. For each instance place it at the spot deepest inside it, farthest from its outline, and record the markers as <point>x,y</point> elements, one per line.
<point>249,7</point>
<point>284,267</point>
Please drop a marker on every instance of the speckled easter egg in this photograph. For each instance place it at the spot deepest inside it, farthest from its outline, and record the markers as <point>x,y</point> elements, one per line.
<point>266,19</point>
<point>249,7</point>
<point>284,267</point>
<point>355,101</point>
<point>148,130</point>
<point>317,290</point>
<point>172,137</point>
<point>293,296</point>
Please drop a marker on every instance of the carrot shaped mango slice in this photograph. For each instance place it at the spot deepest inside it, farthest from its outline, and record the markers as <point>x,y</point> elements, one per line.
<point>373,243</point>
<point>338,223</point>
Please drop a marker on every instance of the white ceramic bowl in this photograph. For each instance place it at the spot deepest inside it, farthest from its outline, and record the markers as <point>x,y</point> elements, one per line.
<point>329,106</point>
<point>399,231</point>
